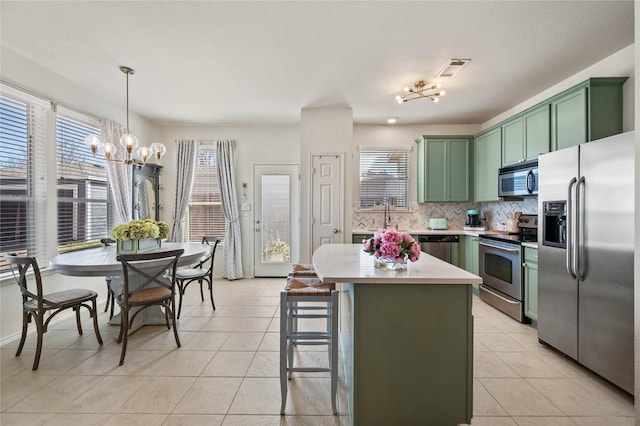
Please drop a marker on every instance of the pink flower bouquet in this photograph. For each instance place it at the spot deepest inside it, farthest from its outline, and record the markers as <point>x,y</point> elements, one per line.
<point>391,244</point>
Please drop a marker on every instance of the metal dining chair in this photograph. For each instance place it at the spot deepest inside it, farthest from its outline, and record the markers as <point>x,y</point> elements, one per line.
<point>146,284</point>
<point>199,273</point>
<point>36,304</point>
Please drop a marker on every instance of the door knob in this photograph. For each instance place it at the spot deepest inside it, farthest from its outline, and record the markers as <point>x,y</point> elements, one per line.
<point>336,230</point>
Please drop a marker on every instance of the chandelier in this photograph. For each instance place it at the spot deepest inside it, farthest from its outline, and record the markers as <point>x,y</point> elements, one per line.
<point>421,90</point>
<point>128,141</point>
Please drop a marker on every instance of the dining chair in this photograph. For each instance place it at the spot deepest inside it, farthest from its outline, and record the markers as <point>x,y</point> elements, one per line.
<point>199,273</point>
<point>110,292</point>
<point>36,304</point>
<point>149,280</point>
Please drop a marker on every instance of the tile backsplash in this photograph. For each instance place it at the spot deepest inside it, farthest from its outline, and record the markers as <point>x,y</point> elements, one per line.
<point>498,212</point>
<point>417,217</point>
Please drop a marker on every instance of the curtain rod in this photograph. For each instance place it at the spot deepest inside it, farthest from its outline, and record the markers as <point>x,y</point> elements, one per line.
<point>45,98</point>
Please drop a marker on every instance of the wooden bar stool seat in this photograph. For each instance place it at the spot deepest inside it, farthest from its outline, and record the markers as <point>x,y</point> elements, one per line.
<point>303,270</point>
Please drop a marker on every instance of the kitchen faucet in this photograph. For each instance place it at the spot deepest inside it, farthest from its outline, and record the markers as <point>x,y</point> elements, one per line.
<point>387,214</point>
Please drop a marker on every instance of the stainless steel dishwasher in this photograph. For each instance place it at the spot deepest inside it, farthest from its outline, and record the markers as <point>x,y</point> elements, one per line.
<point>443,247</point>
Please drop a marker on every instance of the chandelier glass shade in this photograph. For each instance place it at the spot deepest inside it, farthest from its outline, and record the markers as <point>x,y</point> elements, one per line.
<point>419,90</point>
<point>128,141</point>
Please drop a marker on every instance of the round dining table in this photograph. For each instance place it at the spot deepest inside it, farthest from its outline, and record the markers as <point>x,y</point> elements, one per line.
<point>102,262</point>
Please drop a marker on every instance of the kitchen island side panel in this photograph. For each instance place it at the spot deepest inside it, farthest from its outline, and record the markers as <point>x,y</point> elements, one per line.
<point>409,356</point>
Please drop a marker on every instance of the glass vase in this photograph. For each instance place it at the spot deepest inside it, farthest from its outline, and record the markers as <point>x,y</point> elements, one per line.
<point>391,263</point>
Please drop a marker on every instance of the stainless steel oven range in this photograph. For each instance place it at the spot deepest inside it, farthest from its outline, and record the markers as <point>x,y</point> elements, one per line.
<point>501,267</point>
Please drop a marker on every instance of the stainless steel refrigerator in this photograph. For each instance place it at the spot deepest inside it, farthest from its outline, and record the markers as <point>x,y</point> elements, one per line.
<point>586,236</point>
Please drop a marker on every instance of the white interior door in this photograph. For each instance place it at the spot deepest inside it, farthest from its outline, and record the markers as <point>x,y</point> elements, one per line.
<point>327,208</point>
<point>276,219</point>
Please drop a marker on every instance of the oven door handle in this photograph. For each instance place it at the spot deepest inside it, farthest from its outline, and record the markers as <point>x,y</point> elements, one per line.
<point>500,248</point>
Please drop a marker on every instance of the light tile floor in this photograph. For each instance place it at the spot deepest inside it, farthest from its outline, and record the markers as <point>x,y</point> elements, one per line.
<point>226,373</point>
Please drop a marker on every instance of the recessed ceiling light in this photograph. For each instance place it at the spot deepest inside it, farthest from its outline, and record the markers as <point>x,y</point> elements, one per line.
<point>392,120</point>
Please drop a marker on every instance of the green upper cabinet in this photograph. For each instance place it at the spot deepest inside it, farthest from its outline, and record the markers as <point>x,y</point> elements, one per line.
<point>586,112</point>
<point>444,168</point>
<point>537,132</point>
<point>513,141</point>
<point>488,155</point>
<point>526,136</point>
<point>569,117</point>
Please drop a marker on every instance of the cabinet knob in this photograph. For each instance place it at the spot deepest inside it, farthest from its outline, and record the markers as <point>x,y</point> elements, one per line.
<point>524,264</point>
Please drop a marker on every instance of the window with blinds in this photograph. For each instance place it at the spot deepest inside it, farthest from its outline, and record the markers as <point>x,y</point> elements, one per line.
<point>83,195</point>
<point>206,216</point>
<point>384,175</point>
<point>23,177</point>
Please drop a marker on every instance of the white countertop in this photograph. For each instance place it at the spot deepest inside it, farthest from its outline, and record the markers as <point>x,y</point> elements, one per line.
<point>348,263</point>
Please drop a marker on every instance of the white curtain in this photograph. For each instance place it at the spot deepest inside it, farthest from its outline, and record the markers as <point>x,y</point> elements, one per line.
<point>185,169</point>
<point>232,251</point>
<point>119,175</point>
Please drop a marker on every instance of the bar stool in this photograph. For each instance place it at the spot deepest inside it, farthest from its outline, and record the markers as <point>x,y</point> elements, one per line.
<point>308,289</point>
<point>303,270</point>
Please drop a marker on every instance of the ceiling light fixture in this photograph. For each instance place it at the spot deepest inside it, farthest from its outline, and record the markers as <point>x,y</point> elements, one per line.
<point>128,141</point>
<point>419,90</point>
<point>392,120</point>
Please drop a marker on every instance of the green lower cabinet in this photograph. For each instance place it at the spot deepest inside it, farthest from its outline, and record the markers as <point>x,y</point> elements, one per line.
<point>357,238</point>
<point>531,283</point>
<point>413,365</point>
<point>471,256</point>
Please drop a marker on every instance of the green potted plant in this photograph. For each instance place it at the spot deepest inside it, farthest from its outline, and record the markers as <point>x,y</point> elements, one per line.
<point>138,236</point>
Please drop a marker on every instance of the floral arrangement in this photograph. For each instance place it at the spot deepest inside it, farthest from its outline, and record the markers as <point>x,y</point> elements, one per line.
<point>140,229</point>
<point>392,244</point>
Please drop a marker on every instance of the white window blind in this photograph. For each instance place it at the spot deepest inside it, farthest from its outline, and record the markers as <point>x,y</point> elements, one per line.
<point>23,176</point>
<point>83,213</point>
<point>206,216</point>
<point>384,175</point>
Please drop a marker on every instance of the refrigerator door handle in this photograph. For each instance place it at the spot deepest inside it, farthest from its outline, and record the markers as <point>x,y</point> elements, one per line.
<point>579,254</point>
<point>570,231</point>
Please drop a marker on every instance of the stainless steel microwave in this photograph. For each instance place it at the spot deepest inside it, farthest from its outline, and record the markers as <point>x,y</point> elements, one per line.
<point>518,180</point>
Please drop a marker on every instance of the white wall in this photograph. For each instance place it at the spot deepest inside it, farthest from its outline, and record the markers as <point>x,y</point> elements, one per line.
<point>330,131</point>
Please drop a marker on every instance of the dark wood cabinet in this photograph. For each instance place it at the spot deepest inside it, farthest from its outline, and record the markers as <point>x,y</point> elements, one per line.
<point>145,194</point>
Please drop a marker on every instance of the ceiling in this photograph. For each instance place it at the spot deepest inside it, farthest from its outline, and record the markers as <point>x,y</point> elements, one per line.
<point>213,63</point>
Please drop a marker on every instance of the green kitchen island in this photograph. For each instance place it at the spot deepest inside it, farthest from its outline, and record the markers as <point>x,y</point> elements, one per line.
<point>406,338</point>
